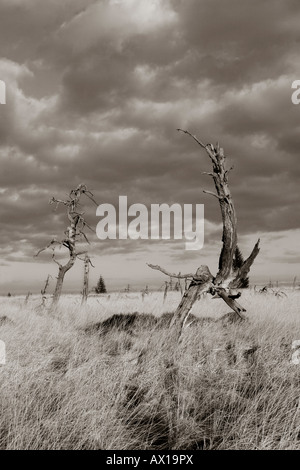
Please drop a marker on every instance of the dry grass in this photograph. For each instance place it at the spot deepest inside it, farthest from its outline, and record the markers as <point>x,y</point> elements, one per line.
<point>69,384</point>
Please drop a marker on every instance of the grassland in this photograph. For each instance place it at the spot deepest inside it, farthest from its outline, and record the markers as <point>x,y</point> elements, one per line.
<point>73,382</point>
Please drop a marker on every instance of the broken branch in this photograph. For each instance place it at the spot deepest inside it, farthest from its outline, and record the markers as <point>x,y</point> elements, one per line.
<point>245,268</point>
<point>164,271</point>
<point>194,137</point>
<point>208,147</point>
<point>48,246</point>
<point>212,194</point>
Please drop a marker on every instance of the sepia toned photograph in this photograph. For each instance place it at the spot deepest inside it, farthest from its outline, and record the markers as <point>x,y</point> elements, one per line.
<point>149,248</point>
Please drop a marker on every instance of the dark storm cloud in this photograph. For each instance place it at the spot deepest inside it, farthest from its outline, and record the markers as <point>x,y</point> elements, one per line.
<point>96,90</point>
<point>27,27</point>
<point>240,42</point>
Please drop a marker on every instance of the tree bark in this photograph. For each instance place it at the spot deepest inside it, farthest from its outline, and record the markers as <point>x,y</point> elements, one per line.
<point>230,301</point>
<point>62,270</point>
<point>201,282</point>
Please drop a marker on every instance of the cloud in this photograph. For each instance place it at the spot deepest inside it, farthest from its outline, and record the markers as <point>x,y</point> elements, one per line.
<point>115,21</point>
<point>96,90</point>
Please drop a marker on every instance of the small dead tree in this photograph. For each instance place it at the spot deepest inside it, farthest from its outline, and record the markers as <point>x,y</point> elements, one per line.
<point>226,279</point>
<point>178,286</point>
<point>73,234</point>
<point>27,297</point>
<point>86,270</point>
<point>166,290</point>
<point>145,292</point>
<point>170,286</point>
<point>44,290</point>
<point>294,282</point>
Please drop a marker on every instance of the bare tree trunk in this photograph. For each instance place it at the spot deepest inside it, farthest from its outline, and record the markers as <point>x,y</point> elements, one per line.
<point>44,290</point>
<point>62,270</point>
<point>201,282</point>
<point>27,297</point>
<point>58,286</point>
<point>85,290</point>
<point>180,285</point>
<point>166,290</point>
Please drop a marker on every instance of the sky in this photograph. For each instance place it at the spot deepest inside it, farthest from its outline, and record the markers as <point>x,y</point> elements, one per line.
<point>95,91</point>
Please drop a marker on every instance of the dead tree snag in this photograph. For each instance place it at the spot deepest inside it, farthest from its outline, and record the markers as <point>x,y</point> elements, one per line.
<point>44,290</point>
<point>73,234</point>
<point>86,271</point>
<point>226,279</point>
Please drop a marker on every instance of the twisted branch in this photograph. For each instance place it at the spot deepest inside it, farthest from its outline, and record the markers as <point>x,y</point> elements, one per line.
<point>164,271</point>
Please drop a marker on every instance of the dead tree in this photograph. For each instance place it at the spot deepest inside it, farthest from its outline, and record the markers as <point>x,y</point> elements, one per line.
<point>178,286</point>
<point>203,281</point>
<point>166,290</point>
<point>226,280</point>
<point>145,292</point>
<point>73,234</point>
<point>44,290</point>
<point>86,270</point>
<point>170,286</point>
<point>27,297</point>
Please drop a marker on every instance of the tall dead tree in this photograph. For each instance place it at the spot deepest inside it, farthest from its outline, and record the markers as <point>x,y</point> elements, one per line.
<point>73,234</point>
<point>226,280</point>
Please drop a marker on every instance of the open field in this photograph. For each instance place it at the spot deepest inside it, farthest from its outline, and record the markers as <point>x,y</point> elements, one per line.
<point>68,384</point>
